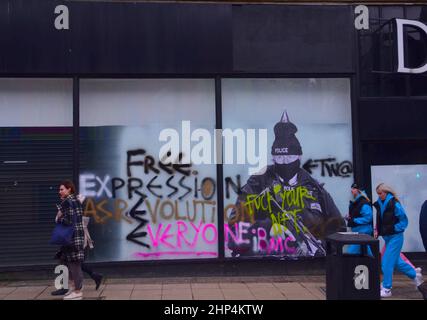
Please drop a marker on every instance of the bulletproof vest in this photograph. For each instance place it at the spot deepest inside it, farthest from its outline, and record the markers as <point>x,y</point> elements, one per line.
<point>386,223</point>
<point>354,210</point>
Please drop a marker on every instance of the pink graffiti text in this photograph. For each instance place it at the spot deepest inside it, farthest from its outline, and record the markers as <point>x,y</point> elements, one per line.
<point>187,234</point>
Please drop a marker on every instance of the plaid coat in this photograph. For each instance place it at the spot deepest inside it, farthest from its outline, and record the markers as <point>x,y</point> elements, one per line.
<point>73,212</point>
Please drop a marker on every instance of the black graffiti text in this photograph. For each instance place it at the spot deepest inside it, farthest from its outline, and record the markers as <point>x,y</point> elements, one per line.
<point>330,167</point>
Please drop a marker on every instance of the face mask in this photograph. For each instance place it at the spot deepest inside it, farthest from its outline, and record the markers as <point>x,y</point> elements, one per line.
<point>285,159</point>
<point>287,171</point>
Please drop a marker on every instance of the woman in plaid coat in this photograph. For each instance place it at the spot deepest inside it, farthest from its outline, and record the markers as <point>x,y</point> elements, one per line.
<point>70,212</point>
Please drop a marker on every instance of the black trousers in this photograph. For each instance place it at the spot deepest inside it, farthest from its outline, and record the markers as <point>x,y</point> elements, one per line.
<point>86,268</point>
<point>76,274</point>
<point>83,266</point>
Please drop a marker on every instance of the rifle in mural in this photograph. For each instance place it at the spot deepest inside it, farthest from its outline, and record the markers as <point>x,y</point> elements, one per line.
<point>307,244</point>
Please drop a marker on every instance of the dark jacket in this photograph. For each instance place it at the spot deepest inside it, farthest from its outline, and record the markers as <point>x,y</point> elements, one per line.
<point>316,213</point>
<point>72,214</point>
<point>391,217</point>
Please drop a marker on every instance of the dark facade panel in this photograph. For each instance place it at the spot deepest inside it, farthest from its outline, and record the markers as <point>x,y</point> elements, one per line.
<point>3,33</point>
<point>151,38</point>
<point>117,38</point>
<point>394,153</point>
<point>293,39</point>
<point>175,38</point>
<point>30,43</point>
<point>388,119</point>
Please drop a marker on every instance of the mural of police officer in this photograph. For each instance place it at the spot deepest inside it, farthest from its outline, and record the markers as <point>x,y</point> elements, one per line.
<point>286,202</point>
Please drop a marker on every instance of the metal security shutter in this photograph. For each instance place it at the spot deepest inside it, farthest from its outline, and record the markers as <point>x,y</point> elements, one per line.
<point>32,163</point>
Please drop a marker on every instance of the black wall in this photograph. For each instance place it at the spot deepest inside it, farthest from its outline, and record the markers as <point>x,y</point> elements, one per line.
<point>393,119</point>
<point>113,39</point>
<point>293,39</point>
<point>166,38</point>
<point>391,107</point>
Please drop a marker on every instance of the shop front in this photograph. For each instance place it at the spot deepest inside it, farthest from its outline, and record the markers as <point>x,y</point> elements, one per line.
<point>204,132</point>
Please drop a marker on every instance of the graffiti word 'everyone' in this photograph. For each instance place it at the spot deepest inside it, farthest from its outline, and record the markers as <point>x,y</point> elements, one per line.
<point>175,253</point>
<point>179,234</point>
<point>167,210</point>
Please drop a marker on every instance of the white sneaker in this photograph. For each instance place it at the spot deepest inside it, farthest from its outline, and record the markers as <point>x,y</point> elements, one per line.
<point>74,296</point>
<point>418,280</point>
<point>385,293</point>
<point>70,290</point>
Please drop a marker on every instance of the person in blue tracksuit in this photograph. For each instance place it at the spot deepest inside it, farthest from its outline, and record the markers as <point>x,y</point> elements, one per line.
<point>391,223</point>
<point>359,218</point>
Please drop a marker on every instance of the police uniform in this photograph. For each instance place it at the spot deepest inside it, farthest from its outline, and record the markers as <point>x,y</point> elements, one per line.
<point>286,199</point>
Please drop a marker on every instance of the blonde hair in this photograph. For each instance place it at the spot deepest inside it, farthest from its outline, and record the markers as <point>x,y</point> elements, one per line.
<point>387,189</point>
<point>363,194</point>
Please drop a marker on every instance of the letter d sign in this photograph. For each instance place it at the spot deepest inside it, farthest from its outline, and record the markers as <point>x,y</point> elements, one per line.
<point>400,23</point>
<point>361,277</point>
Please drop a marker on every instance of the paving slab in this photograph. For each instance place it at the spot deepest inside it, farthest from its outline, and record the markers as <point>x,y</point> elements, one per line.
<point>177,286</point>
<point>206,294</point>
<point>198,288</point>
<point>116,286</point>
<point>148,287</point>
<point>153,294</point>
<point>208,285</point>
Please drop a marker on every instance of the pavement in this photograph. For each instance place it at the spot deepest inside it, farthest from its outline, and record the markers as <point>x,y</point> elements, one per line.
<point>196,288</point>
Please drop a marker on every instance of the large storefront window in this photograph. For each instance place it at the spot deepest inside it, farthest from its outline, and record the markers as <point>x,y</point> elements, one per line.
<point>35,155</point>
<point>409,183</point>
<point>142,207</point>
<point>286,209</point>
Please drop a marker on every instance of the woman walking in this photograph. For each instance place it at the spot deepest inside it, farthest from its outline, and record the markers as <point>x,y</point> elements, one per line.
<point>70,212</point>
<point>391,223</point>
<point>88,245</point>
<point>360,215</point>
